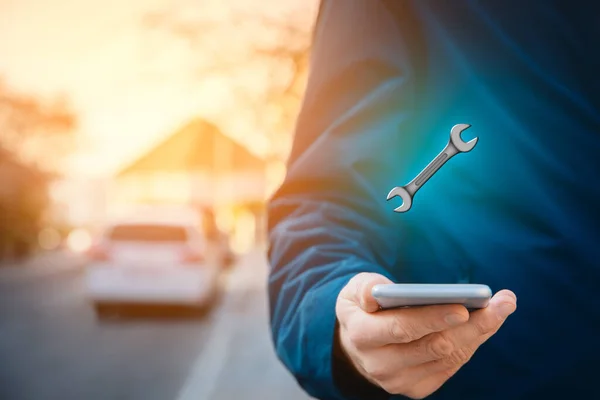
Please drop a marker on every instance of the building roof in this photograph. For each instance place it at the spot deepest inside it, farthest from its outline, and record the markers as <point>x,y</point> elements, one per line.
<point>197,146</point>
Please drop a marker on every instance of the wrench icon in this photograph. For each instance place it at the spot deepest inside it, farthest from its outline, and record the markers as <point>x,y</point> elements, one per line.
<point>455,145</point>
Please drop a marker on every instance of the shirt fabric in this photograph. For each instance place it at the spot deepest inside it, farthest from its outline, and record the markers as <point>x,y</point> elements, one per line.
<point>388,79</point>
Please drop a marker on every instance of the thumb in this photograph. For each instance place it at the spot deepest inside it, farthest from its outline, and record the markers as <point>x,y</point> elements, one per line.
<point>358,290</point>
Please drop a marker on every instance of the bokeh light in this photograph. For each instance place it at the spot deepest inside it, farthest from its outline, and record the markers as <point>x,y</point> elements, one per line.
<point>79,240</point>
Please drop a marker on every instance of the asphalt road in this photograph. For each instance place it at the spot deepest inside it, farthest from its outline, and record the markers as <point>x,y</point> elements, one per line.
<point>53,347</point>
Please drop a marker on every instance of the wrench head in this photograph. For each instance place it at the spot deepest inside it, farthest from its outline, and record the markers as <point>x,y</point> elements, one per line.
<point>404,195</point>
<point>456,140</point>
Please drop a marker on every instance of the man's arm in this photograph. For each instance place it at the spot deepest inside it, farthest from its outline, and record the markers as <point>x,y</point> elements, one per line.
<point>329,220</point>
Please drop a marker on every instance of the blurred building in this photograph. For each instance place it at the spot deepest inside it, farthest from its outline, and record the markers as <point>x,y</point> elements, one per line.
<point>200,167</point>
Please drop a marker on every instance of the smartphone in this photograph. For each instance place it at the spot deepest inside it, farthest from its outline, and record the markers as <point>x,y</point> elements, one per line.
<point>472,296</point>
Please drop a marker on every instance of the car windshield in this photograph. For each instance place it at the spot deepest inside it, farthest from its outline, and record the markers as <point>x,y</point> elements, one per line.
<point>148,233</point>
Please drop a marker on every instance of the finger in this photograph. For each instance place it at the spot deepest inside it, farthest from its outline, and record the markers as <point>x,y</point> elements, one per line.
<point>450,358</point>
<point>452,362</point>
<point>358,290</point>
<point>485,322</point>
<point>481,325</point>
<point>403,325</point>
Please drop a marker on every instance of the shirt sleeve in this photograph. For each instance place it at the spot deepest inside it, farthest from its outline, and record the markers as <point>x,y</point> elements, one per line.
<point>330,220</point>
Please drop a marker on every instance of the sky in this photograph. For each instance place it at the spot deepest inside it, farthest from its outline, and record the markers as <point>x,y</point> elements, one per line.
<point>129,85</point>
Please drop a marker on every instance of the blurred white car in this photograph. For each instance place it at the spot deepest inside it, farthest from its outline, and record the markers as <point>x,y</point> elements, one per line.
<point>151,263</point>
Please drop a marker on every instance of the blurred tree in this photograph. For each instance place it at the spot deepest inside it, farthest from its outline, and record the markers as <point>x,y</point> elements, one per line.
<point>33,138</point>
<point>36,132</point>
<point>23,201</point>
<point>275,48</point>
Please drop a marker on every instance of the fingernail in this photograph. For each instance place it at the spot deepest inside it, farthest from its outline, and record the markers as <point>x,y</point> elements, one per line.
<point>454,319</point>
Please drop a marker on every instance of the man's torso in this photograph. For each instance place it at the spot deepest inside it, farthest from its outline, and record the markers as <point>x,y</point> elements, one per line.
<point>521,210</point>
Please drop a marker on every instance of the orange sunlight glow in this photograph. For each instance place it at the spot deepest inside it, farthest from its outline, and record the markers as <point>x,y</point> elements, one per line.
<point>130,86</point>
<point>135,87</point>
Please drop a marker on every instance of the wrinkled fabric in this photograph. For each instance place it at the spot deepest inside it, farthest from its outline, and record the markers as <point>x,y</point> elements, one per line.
<point>387,82</point>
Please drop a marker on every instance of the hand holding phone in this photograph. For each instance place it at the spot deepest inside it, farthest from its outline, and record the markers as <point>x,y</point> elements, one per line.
<point>412,351</point>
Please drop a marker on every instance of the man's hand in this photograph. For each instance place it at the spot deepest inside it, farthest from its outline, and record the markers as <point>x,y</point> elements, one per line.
<point>412,351</point>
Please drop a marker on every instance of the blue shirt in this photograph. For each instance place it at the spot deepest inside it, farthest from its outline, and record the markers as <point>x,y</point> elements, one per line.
<point>388,80</point>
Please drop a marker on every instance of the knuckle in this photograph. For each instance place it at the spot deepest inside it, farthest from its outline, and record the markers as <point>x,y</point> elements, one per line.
<point>440,347</point>
<point>356,335</point>
<point>358,281</point>
<point>500,318</point>
<point>420,347</point>
<point>483,327</point>
<point>400,332</point>
<point>357,284</point>
<point>458,357</point>
<point>352,286</point>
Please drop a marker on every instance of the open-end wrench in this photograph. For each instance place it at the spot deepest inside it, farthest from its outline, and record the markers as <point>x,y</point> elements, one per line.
<point>455,145</point>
